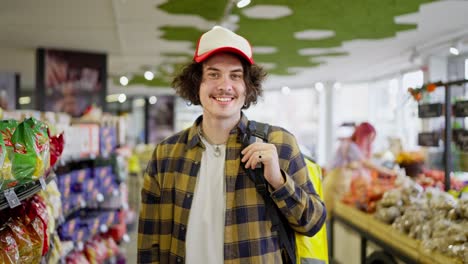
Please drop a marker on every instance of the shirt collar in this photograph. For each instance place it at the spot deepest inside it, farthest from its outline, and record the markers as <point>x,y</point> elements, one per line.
<point>194,137</point>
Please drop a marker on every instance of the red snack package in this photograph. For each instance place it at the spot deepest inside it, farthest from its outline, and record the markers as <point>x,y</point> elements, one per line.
<point>38,207</point>
<point>10,252</point>
<point>56,147</point>
<point>26,250</point>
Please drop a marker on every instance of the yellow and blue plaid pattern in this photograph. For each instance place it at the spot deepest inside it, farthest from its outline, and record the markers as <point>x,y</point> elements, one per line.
<point>169,184</point>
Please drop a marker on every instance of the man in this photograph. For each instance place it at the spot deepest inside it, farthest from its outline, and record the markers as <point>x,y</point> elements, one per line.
<point>198,204</point>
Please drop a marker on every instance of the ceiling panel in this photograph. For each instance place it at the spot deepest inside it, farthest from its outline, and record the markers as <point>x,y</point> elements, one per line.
<point>308,41</point>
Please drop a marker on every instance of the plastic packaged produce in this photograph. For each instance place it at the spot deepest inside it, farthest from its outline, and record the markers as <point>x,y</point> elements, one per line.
<point>31,150</point>
<point>387,215</point>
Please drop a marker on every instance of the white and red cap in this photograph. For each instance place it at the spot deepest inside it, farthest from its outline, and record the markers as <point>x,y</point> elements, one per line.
<point>220,39</point>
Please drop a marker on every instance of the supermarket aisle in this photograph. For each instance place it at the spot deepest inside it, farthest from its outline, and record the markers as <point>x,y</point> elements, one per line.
<point>131,247</point>
<point>134,183</point>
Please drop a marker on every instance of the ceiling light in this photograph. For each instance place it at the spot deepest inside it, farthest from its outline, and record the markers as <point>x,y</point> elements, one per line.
<point>454,51</point>
<point>319,87</point>
<point>285,90</point>
<point>243,3</point>
<point>149,75</point>
<point>122,98</point>
<point>111,98</point>
<point>24,100</point>
<point>153,99</point>
<point>337,86</point>
<point>466,69</point>
<point>140,102</point>
<point>123,81</point>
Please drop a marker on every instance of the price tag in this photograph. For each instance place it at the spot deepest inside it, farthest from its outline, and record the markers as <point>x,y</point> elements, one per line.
<point>460,109</point>
<point>43,183</point>
<point>11,197</point>
<point>460,137</point>
<point>429,110</point>
<point>428,139</point>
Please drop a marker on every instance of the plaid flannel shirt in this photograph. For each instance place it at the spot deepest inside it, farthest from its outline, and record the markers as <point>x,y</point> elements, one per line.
<point>169,185</point>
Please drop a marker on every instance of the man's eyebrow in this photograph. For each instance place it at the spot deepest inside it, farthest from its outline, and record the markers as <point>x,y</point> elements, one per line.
<point>210,68</point>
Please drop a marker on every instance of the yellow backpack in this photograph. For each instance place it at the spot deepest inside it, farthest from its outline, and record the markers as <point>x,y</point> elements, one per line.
<point>313,250</point>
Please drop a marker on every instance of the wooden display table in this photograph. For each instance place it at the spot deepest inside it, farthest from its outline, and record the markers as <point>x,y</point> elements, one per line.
<point>390,240</point>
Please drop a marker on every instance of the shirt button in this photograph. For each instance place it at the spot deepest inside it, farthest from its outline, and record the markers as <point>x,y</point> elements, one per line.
<point>182,228</point>
<point>179,259</point>
<point>189,195</point>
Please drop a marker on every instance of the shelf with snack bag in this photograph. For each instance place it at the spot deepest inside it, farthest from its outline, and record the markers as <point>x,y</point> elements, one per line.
<point>94,209</point>
<point>26,231</point>
<point>12,197</point>
<point>27,154</point>
<point>95,235</point>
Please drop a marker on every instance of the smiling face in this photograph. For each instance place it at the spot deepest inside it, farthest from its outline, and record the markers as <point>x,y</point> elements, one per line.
<point>222,89</point>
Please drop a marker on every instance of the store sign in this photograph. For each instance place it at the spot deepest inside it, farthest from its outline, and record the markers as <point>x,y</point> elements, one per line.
<point>460,109</point>
<point>429,110</point>
<point>460,137</point>
<point>428,139</point>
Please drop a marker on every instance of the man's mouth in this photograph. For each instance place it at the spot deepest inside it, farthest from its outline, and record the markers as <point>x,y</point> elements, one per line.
<point>223,99</point>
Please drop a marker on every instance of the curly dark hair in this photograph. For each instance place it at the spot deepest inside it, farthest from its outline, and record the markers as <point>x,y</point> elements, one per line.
<point>187,82</point>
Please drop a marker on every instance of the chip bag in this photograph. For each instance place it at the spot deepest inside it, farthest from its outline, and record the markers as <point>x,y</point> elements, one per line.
<point>23,239</point>
<point>31,151</point>
<point>10,252</point>
<point>3,154</point>
<point>7,128</point>
<point>56,148</point>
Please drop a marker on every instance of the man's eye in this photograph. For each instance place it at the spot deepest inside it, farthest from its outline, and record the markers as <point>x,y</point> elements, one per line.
<point>236,77</point>
<point>213,75</point>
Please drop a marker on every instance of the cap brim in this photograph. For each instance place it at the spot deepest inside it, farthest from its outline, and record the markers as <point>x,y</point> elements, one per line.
<point>208,54</point>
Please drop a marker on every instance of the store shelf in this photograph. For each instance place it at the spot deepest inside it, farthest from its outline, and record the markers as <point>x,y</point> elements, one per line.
<point>25,191</point>
<point>398,245</point>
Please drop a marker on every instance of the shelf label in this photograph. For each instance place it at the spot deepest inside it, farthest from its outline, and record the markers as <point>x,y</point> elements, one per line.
<point>460,137</point>
<point>43,183</point>
<point>11,197</point>
<point>460,109</point>
<point>428,139</point>
<point>429,110</point>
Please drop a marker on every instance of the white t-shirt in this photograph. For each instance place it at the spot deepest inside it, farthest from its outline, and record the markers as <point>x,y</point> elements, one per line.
<point>205,230</point>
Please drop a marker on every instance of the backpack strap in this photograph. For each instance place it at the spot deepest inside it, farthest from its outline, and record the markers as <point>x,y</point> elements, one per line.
<point>261,130</point>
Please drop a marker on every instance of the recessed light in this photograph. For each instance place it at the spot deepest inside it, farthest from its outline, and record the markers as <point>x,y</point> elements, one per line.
<point>123,81</point>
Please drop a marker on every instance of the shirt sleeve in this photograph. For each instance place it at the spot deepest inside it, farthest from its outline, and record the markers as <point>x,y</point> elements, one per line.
<point>297,198</point>
<point>354,153</point>
<point>148,224</point>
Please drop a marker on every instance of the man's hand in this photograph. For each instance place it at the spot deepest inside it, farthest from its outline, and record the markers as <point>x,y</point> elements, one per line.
<point>266,154</point>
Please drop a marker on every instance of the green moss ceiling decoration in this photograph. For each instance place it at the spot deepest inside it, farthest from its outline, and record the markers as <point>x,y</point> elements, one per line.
<point>350,20</point>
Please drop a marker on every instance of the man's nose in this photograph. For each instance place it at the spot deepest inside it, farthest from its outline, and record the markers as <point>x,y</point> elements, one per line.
<point>226,83</point>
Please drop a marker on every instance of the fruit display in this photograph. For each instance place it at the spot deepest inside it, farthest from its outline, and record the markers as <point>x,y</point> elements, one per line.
<point>436,178</point>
